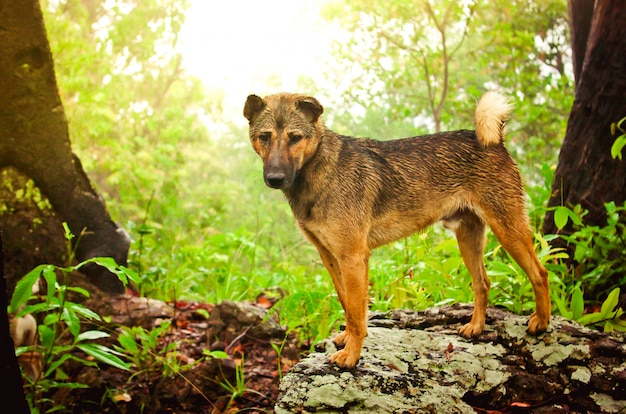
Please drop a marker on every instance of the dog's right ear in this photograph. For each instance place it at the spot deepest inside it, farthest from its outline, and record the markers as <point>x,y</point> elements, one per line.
<point>254,105</point>
<point>312,107</point>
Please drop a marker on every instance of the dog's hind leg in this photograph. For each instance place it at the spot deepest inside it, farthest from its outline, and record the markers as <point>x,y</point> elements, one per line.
<point>470,234</point>
<point>515,237</point>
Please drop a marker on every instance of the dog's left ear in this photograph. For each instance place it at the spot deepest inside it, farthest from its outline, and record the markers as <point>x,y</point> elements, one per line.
<point>254,105</point>
<point>311,107</point>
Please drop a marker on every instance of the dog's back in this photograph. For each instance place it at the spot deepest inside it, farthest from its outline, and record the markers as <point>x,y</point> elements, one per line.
<point>404,185</point>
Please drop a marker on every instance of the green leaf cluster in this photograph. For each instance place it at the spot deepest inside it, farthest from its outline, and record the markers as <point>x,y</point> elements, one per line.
<point>620,140</point>
<point>61,331</point>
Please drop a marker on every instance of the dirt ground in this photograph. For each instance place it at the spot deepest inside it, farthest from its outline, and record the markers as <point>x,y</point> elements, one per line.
<point>174,374</point>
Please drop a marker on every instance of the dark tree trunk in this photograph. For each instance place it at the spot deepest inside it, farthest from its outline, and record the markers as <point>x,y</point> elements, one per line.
<point>580,13</point>
<point>11,391</point>
<point>586,173</point>
<point>34,137</point>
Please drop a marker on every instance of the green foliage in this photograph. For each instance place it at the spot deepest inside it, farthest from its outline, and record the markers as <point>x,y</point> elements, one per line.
<point>609,314</point>
<point>620,140</point>
<point>599,266</point>
<point>562,215</point>
<point>609,317</point>
<point>143,348</point>
<point>312,314</point>
<point>599,251</point>
<point>420,66</point>
<point>239,386</point>
<point>61,331</point>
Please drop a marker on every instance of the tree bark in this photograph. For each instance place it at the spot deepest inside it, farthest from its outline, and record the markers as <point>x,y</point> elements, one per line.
<point>580,13</point>
<point>34,138</point>
<point>586,173</point>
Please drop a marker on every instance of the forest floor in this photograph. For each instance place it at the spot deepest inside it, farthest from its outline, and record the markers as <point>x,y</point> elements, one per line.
<point>211,359</point>
<point>230,361</point>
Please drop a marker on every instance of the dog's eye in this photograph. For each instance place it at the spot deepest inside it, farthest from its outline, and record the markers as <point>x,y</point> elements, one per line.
<point>264,137</point>
<point>294,138</point>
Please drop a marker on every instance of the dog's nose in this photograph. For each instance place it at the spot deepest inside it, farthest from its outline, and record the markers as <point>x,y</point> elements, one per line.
<point>275,180</point>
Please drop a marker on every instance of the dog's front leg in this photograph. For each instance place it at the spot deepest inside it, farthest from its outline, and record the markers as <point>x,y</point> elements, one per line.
<point>353,268</point>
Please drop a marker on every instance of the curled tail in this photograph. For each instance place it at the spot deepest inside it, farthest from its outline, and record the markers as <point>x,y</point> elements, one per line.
<point>492,112</point>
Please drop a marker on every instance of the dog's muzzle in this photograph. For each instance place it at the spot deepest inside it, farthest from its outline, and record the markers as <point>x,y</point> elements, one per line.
<point>275,179</point>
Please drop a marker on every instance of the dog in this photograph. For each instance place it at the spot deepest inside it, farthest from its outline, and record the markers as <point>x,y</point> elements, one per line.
<point>351,195</point>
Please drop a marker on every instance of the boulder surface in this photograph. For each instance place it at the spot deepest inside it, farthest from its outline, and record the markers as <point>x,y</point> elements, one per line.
<point>415,362</point>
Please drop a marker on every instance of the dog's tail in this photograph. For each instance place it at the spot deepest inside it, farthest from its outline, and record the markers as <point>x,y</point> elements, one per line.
<point>492,112</point>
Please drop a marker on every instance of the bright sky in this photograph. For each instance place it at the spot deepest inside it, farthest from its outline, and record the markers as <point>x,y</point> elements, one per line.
<point>237,45</point>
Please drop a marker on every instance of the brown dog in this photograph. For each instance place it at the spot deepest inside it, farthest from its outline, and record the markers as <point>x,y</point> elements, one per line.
<point>351,195</point>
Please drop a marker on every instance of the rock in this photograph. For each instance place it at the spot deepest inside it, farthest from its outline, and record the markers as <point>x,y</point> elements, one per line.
<point>234,320</point>
<point>415,362</point>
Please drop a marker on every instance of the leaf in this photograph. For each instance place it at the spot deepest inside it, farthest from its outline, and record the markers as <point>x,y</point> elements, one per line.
<point>590,318</point>
<point>50,277</point>
<point>91,335</point>
<point>578,304</point>
<point>618,325</point>
<point>618,145</point>
<point>215,354</point>
<point>57,363</point>
<point>80,290</point>
<point>104,354</point>
<point>561,215</point>
<point>24,288</point>
<point>563,311</point>
<point>71,319</point>
<point>86,312</point>
<point>609,304</point>
<point>46,336</point>
<point>122,273</point>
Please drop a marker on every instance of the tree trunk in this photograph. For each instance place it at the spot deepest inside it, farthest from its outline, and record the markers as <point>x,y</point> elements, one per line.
<point>580,13</point>
<point>586,173</point>
<point>34,138</point>
<point>11,391</point>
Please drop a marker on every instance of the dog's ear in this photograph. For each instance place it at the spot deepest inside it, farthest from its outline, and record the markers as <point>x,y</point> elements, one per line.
<point>254,105</point>
<point>311,107</point>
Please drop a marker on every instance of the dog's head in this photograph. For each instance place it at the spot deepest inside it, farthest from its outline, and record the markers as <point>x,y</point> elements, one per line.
<point>284,131</point>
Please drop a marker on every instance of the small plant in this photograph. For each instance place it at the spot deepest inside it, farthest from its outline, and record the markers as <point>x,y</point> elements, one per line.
<point>620,140</point>
<point>278,348</point>
<point>141,347</point>
<point>60,332</point>
<point>598,251</point>
<point>609,317</point>
<point>313,315</point>
<point>238,388</point>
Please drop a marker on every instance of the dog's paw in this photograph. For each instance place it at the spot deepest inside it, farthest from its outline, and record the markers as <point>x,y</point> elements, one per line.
<point>340,339</point>
<point>537,325</point>
<point>471,330</point>
<point>345,359</point>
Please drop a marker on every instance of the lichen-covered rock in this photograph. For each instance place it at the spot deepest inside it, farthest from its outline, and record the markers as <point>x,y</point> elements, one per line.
<point>415,362</point>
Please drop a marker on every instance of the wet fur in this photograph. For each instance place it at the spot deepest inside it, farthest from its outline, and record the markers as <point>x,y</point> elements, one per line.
<point>351,195</point>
